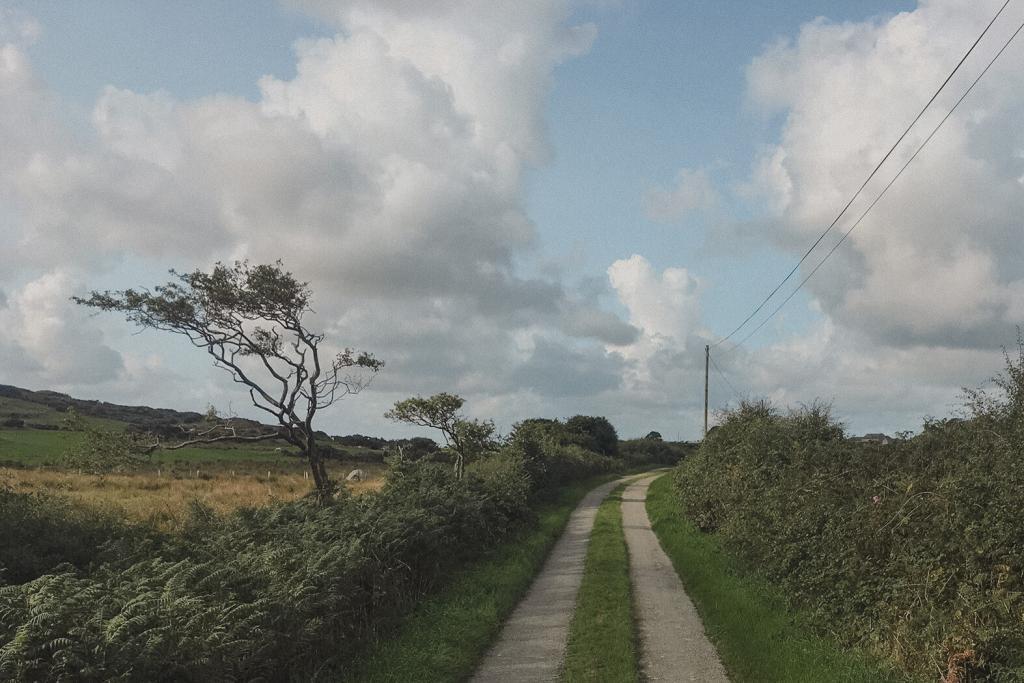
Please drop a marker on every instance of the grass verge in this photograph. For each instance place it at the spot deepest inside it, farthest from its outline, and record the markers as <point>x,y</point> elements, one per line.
<point>602,641</point>
<point>757,636</point>
<point>445,637</point>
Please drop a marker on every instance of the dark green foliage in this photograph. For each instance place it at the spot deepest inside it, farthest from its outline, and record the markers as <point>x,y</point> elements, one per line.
<point>914,550</point>
<point>447,633</point>
<point>758,638</point>
<point>465,438</point>
<point>594,433</point>
<point>654,451</point>
<point>271,593</point>
<point>550,454</point>
<point>416,448</point>
<point>38,533</point>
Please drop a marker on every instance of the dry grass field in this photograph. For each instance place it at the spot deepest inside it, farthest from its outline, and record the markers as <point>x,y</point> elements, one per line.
<point>162,495</point>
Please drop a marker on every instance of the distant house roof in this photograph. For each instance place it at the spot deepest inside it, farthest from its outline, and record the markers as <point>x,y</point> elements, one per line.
<point>874,438</point>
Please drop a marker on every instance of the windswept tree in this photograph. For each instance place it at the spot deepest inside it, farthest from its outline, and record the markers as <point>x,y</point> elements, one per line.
<point>464,437</point>
<point>248,318</point>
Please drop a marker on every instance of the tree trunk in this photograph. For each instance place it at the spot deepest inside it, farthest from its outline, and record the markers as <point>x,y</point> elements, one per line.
<point>320,476</point>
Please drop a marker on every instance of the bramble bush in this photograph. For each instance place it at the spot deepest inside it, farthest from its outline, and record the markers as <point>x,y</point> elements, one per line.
<point>274,593</point>
<point>913,550</point>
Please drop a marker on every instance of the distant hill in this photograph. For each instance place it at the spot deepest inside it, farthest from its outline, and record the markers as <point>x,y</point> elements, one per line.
<point>48,407</point>
<point>46,410</point>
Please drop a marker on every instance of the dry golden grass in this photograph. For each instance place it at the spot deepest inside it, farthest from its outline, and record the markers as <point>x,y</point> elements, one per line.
<point>162,496</point>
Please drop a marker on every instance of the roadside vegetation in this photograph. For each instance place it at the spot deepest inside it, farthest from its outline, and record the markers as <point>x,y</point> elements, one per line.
<point>757,635</point>
<point>287,589</point>
<point>447,634</point>
<point>602,638</point>
<point>269,577</point>
<point>912,552</point>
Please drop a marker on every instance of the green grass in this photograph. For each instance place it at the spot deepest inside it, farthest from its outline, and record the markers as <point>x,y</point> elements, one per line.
<point>447,634</point>
<point>34,446</point>
<point>36,413</point>
<point>41,447</point>
<point>602,641</point>
<point>757,636</point>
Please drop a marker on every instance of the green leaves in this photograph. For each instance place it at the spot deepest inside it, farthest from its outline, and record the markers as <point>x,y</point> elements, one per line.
<point>467,438</point>
<point>906,549</point>
<point>267,592</point>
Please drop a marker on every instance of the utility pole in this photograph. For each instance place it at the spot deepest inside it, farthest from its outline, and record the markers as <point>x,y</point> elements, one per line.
<point>707,361</point>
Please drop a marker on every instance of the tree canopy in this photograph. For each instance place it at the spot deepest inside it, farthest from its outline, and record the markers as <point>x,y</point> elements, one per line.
<point>464,437</point>
<point>595,433</point>
<point>249,319</point>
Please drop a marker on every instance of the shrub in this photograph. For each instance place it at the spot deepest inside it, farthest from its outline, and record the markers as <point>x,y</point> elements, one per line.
<point>272,593</point>
<point>263,593</point>
<point>913,550</point>
<point>39,532</point>
<point>593,433</point>
<point>650,450</point>
<point>551,456</point>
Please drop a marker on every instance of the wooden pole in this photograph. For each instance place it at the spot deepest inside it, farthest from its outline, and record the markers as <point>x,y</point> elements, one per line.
<point>707,361</point>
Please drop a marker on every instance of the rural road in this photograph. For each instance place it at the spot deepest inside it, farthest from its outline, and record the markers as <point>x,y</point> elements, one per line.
<point>531,646</point>
<point>673,646</point>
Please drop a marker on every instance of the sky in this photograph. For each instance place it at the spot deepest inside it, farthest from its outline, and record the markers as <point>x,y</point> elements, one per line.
<point>549,208</point>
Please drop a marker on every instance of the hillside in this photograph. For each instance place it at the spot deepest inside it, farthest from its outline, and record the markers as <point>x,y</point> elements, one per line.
<point>31,429</point>
<point>38,408</point>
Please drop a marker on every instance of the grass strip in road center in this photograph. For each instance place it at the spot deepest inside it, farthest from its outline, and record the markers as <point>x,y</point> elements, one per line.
<point>602,639</point>
<point>447,634</point>
<point>757,637</point>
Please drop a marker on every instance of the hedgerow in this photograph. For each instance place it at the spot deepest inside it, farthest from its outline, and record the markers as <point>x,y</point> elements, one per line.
<point>913,550</point>
<point>271,593</point>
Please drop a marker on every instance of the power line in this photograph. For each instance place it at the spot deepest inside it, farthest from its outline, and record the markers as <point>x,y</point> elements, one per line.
<point>865,183</point>
<point>725,379</point>
<point>884,190</point>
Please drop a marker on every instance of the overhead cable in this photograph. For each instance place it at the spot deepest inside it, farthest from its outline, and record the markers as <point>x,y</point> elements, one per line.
<point>884,190</point>
<point>865,183</point>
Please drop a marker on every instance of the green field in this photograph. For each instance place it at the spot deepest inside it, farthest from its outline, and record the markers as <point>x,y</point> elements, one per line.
<point>35,413</point>
<point>33,447</point>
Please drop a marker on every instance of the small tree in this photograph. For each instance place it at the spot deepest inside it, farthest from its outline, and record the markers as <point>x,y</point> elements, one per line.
<point>464,437</point>
<point>249,320</point>
<point>595,433</point>
<point>99,451</point>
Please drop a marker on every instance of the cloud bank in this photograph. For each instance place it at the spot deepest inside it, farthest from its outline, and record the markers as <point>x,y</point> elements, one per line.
<point>389,171</point>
